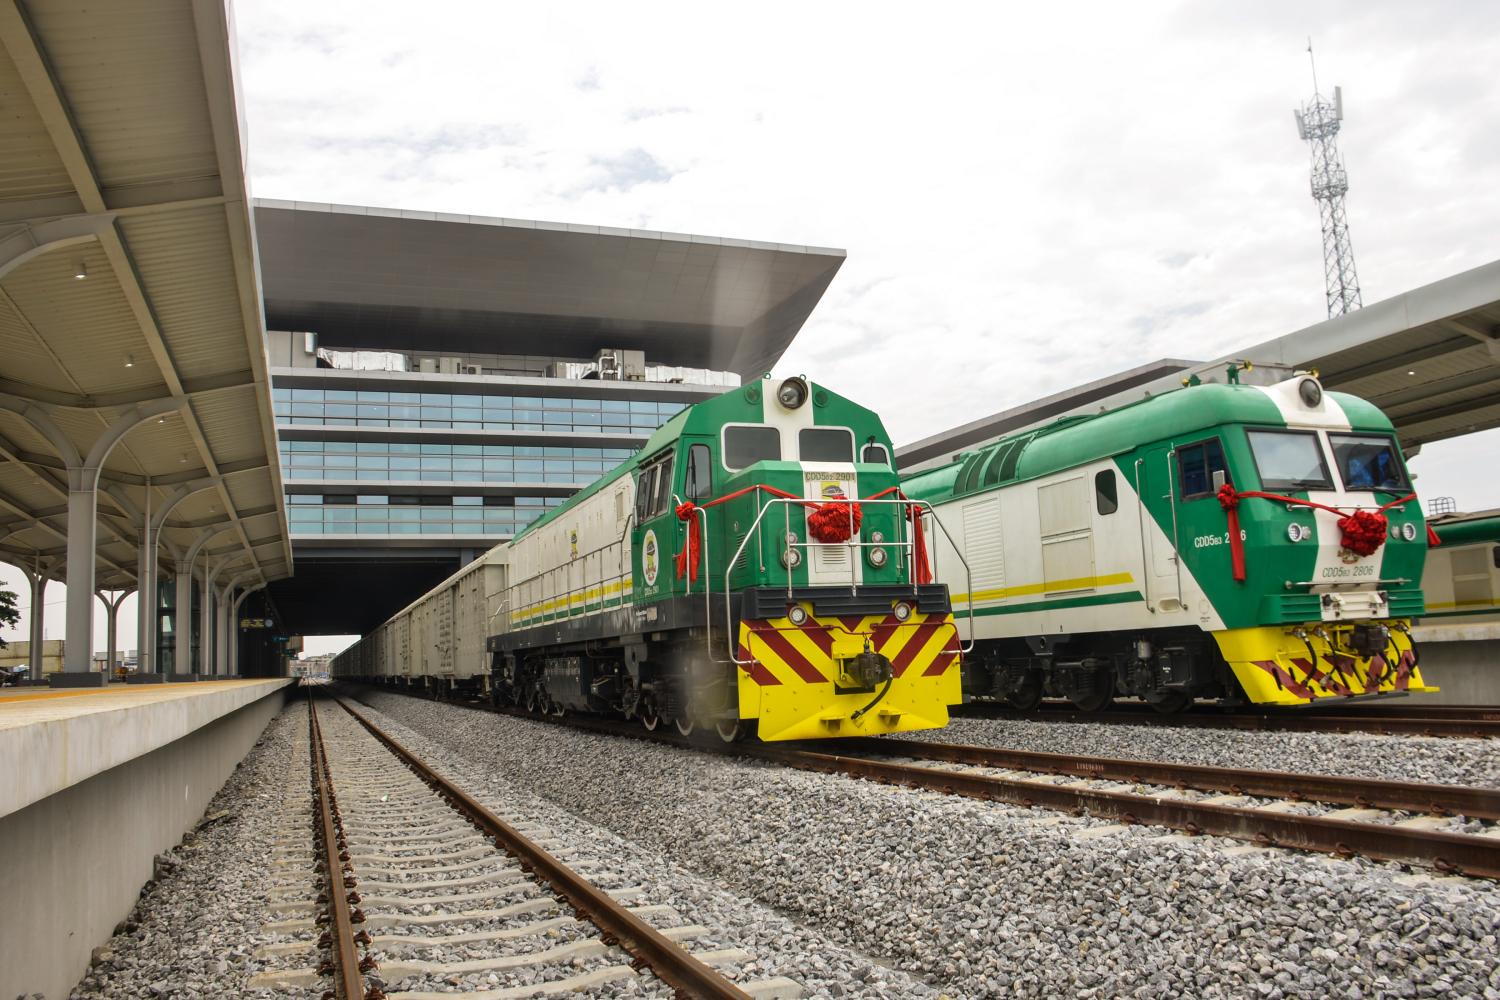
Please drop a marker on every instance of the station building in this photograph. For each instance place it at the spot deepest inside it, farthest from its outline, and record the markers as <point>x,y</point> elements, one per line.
<point>439,381</point>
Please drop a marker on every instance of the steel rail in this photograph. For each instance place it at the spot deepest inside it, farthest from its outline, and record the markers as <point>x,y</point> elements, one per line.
<point>348,977</point>
<point>1481,723</point>
<point>1464,854</point>
<point>672,963</point>
<point>1407,796</point>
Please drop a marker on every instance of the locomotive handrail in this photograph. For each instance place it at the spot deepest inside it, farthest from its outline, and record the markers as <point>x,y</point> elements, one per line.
<point>1397,581</point>
<point>908,544</point>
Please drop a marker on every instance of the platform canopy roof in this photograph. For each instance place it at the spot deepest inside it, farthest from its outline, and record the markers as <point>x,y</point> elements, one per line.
<point>1430,358</point>
<point>383,279</point>
<point>129,299</point>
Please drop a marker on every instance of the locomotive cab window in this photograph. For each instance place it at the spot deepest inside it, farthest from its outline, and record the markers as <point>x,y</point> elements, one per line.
<point>653,492</point>
<point>746,444</point>
<point>1106,493</point>
<point>699,482</point>
<point>825,444</point>
<point>1289,460</point>
<point>875,454</point>
<point>1196,465</point>
<point>1368,462</point>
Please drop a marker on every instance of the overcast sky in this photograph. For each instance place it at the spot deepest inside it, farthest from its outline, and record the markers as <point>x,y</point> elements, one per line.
<point>1031,196</point>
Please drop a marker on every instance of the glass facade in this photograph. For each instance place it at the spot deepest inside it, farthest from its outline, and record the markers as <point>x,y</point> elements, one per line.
<point>370,463</point>
<point>366,514</point>
<point>443,410</point>
<point>401,461</point>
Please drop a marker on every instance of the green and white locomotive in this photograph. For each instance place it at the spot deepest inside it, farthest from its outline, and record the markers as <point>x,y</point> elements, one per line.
<point>1223,541</point>
<point>753,569</point>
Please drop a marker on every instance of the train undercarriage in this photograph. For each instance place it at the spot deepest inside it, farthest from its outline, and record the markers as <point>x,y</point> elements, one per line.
<point>1167,669</point>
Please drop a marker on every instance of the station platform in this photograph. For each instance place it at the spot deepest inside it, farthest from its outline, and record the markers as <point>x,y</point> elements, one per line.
<point>97,782</point>
<point>1462,659</point>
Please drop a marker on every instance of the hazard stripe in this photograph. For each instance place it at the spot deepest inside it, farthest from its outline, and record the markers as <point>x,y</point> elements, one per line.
<point>852,625</point>
<point>788,654</point>
<point>913,646</point>
<point>884,632</point>
<point>756,670</point>
<point>819,634</point>
<point>943,662</point>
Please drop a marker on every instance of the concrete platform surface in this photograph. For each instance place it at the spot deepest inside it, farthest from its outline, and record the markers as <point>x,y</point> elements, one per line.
<point>51,739</point>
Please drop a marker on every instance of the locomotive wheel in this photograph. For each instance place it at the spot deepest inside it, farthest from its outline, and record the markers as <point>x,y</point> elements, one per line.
<point>646,712</point>
<point>1170,703</point>
<point>1028,697</point>
<point>732,730</point>
<point>1095,701</point>
<point>533,701</point>
<point>684,726</point>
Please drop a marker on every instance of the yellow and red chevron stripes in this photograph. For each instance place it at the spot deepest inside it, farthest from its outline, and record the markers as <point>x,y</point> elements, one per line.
<point>792,683</point>
<point>784,653</point>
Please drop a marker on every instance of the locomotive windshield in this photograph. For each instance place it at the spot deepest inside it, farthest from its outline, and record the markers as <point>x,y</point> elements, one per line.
<point>1368,462</point>
<point>825,444</point>
<point>746,444</point>
<point>1289,460</point>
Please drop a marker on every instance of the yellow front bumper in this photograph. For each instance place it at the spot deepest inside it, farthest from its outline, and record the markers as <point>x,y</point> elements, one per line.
<point>794,685</point>
<point>1276,666</point>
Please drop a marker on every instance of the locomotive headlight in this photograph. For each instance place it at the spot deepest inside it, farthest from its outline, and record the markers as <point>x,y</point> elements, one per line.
<point>1409,531</point>
<point>1297,532</point>
<point>796,614</point>
<point>902,611</point>
<point>791,556</point>
<point>877,536</point>
<point>1310,391</point>
<point>792,393</point>
<point>877,557</point>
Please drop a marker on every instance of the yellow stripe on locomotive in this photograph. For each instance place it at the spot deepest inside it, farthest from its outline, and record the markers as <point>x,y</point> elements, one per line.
<point>807,680</point>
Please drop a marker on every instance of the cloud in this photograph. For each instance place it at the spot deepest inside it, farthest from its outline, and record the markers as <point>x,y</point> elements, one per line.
<point>1031,197</point>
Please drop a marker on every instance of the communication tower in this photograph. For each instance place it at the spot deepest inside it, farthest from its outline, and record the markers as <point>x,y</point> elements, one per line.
<point>1318,124</point>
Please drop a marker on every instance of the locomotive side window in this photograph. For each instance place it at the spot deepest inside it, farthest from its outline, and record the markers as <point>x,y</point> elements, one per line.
<point>700,473</point>
<point>1368,462</point>
<point>645,489</point>
<point>1106,493</point>
<point>825,444</point>
<point>746,444</point>
<point>875,454</point>
<point>1289,460</point>
<point>1196,465</point>
<point>662,501</point>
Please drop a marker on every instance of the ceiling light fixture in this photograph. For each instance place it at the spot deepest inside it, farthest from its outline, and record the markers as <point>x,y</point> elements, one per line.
<point>1411,373</point>
<point>182,459</point>
<point>130,361</point>
<point>81,271</point>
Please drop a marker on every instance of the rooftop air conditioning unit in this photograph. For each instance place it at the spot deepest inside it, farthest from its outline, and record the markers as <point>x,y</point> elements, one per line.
<point>450,366</point>
<point>427,365</point>
<point>471,369</point>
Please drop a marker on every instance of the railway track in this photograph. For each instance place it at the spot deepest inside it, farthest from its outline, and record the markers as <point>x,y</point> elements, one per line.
<point>429,889</point>
<point>1426,825</point>
<point>1386,719</point>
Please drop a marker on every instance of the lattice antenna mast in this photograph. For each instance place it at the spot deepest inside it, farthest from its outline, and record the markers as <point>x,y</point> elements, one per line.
<point>1318,124</point>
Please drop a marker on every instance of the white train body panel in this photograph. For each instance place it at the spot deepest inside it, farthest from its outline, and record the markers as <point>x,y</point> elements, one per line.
<point>572,564</point>
<point>1045,540</point>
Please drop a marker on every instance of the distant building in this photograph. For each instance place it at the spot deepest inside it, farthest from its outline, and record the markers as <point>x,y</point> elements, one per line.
<point>439,381</point>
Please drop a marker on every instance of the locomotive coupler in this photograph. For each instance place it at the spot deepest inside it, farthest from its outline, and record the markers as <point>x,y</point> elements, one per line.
<point>869,668</point>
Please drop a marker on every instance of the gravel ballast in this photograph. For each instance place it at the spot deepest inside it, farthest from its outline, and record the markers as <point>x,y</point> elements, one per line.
<point>984,899</point>
<point>1452,761</point>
